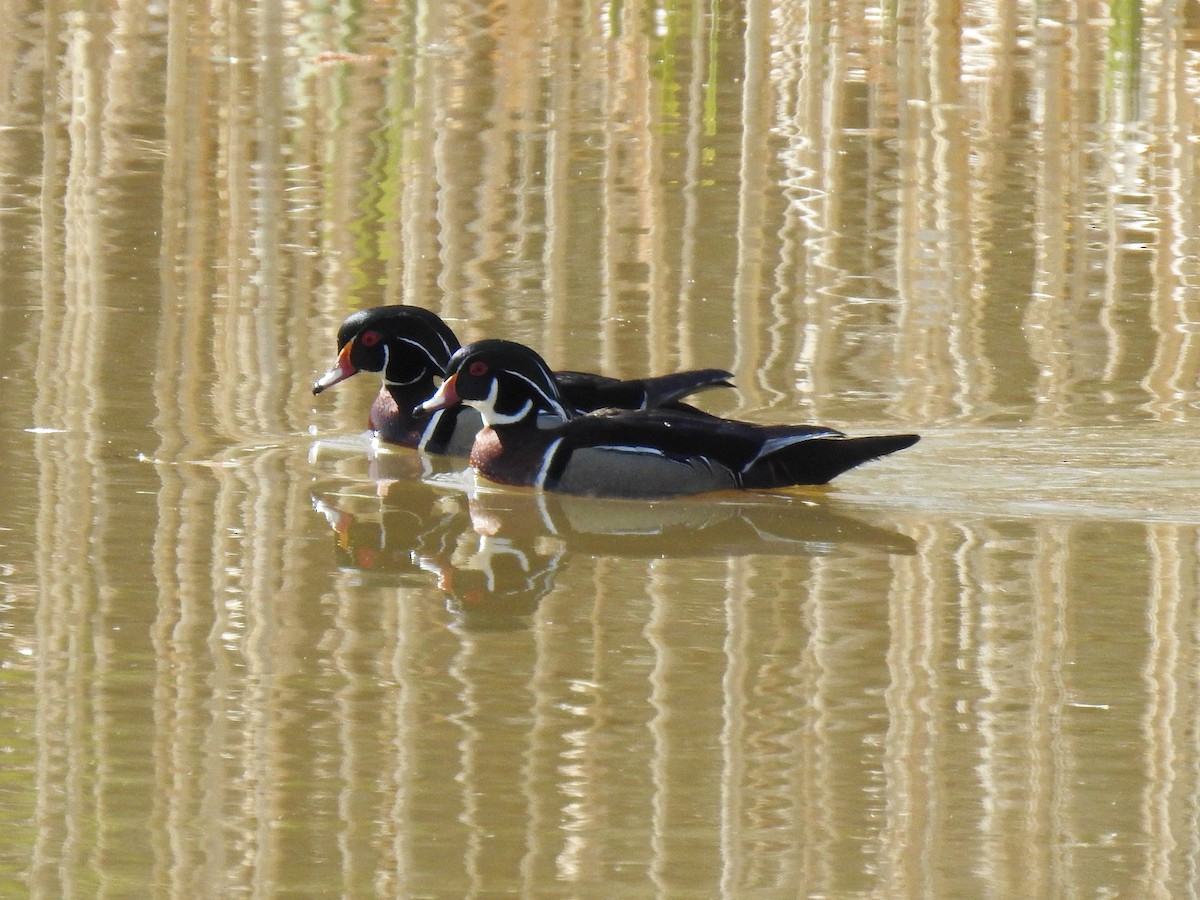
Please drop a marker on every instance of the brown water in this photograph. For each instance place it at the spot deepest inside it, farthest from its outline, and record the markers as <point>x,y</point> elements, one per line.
<point>242,653</point>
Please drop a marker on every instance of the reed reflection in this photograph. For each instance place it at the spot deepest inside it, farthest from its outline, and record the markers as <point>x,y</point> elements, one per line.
<point>958,217</point>
<point>495,553</point>
<point>531,743</point>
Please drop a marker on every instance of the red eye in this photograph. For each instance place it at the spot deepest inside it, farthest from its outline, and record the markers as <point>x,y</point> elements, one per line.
<point>369,338</point>
<point>477,368</point>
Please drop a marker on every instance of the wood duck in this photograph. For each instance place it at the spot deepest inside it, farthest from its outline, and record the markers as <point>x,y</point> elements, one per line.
<point>411,346</point>
<point>644,454</point>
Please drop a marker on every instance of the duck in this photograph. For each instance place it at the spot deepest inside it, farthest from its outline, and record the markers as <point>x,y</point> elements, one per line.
<point>411,346</point>
<point>635,454</point>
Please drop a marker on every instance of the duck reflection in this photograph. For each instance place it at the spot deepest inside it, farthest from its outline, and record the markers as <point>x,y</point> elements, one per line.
<point>421,534</point>
<point>495,553</point>
<point>709,526</point>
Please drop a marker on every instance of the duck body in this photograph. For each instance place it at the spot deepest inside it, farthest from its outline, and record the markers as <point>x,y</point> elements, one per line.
<point>633,454</point>
<point>411,348</point>
<point>449,431</point>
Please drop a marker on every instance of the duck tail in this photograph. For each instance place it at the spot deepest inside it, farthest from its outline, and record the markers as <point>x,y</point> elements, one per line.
<point>664,390</point>
<point>819,459</point>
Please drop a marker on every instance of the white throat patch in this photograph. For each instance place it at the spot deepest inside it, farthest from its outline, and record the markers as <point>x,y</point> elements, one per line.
<point>487,408</point>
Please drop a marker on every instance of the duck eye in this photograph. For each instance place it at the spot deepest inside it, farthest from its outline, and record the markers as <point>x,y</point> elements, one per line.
<point>369,338</point>
<point>478,368</point>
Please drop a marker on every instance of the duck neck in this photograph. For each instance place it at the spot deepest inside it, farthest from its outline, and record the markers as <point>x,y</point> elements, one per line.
<point>409,394</point>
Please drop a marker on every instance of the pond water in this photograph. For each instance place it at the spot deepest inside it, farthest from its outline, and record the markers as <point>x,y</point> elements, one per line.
<point>245,652</point>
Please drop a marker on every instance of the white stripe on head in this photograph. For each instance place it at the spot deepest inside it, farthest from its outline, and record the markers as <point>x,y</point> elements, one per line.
<point>555,405</point>
<point>487,408</point>
<point>424,351</point>
<point>387,357</point>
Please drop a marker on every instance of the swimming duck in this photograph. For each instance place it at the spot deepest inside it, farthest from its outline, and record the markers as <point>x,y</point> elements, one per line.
<point>411,347</point>
<point>645,453</point>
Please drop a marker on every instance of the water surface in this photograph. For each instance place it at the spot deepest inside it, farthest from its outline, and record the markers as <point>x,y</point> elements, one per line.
<point>245,652</point>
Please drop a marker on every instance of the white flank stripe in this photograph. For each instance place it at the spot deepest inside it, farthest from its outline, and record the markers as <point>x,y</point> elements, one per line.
<point>547,460</point>
<point>430,429</point>
<point>616,448</point>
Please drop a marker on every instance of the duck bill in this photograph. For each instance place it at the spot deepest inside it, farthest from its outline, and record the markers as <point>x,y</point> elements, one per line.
<point>447,395</point>
<point>341,370</point>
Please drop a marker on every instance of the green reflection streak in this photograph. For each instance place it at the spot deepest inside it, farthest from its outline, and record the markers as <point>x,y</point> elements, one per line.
<point>1125,59</point>
<point>667,65</point>
<point>710,82</point>
<point>666,61</point>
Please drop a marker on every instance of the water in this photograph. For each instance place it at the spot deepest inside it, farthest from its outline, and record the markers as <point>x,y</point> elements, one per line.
<point>244,651</point>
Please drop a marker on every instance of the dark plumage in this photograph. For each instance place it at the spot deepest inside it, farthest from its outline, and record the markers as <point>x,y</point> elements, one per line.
<point>411,347</point>
<point>646,453</point>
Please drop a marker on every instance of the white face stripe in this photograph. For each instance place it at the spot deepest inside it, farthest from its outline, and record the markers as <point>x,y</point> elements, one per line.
<point>487,408</point>
<point>555,405</point>
<point>387,357</point>
<point>424,352</point>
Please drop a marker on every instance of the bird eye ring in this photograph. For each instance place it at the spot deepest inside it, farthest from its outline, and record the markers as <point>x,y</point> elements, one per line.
<point>477,368</point>
<point>369,338</point>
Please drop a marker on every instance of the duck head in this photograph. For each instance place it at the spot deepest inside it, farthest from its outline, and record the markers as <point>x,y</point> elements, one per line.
<point>505,381</point>
<point>405,343</point>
